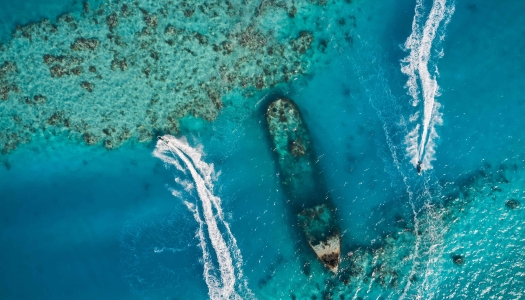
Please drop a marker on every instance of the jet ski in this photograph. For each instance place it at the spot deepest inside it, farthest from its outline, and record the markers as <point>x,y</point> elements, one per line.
<point>162,139</point>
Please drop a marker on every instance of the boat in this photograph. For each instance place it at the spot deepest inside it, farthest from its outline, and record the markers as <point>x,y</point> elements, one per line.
<point>302,181</point>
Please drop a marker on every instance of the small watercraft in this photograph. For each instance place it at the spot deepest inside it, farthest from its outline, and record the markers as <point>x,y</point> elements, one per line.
<point>162,139</point>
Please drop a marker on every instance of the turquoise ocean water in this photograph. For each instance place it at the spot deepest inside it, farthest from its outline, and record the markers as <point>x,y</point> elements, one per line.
<point>84,221</point>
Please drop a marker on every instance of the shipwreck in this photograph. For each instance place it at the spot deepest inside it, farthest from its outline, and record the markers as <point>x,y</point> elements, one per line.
<point>302,183</point>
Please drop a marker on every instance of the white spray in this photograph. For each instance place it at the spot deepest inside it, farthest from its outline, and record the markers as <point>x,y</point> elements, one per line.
<point>422,83</point>
<point>228,282</point>
<point>428,245</point>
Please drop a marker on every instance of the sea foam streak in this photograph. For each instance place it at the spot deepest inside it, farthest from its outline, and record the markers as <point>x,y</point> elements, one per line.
<point>422,83</point>
<point>420,190</point>
<point>228,281</point>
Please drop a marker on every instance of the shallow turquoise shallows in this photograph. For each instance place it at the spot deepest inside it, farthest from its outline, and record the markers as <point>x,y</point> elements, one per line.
<point>93,206</point>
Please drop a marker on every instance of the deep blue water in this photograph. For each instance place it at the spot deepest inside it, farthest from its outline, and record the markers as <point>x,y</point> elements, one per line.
<point>83,222</point>
<point>16,13</point>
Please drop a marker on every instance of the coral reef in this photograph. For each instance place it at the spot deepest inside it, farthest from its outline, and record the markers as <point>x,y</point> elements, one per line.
<point>137,67</point>
<point>396,261</point>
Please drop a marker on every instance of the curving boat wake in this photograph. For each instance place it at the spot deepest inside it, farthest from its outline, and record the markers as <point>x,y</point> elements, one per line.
<point>224,278</point>
<point>428,30</point>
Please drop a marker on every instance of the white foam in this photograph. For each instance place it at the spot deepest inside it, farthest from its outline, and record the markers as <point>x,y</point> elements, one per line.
<point>414,117</point>
<point>430,147</point>
<point>422,83</point>
<point>229,281</point>
<point>428,246</point>
<point>214,284</point>
<point>174,250</point>
<point>412,146</point>
<point>175,193</point>
<point>186,184</point>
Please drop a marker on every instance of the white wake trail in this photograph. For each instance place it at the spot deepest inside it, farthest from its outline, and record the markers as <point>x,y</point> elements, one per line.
<point>230,284</point>
<point>420,190</point>
<point>422,83</point>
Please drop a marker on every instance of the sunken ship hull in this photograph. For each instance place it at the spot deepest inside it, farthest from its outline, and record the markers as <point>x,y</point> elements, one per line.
<point>302,182</point>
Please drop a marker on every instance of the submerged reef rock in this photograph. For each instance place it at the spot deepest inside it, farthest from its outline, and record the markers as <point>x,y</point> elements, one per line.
<point>85,44</point>
<point>512,203</point>
<point>140,66</point>
<point>7,70</point>
<point>302,182</point>
<point>458,260</point>
<point>88,86</point>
